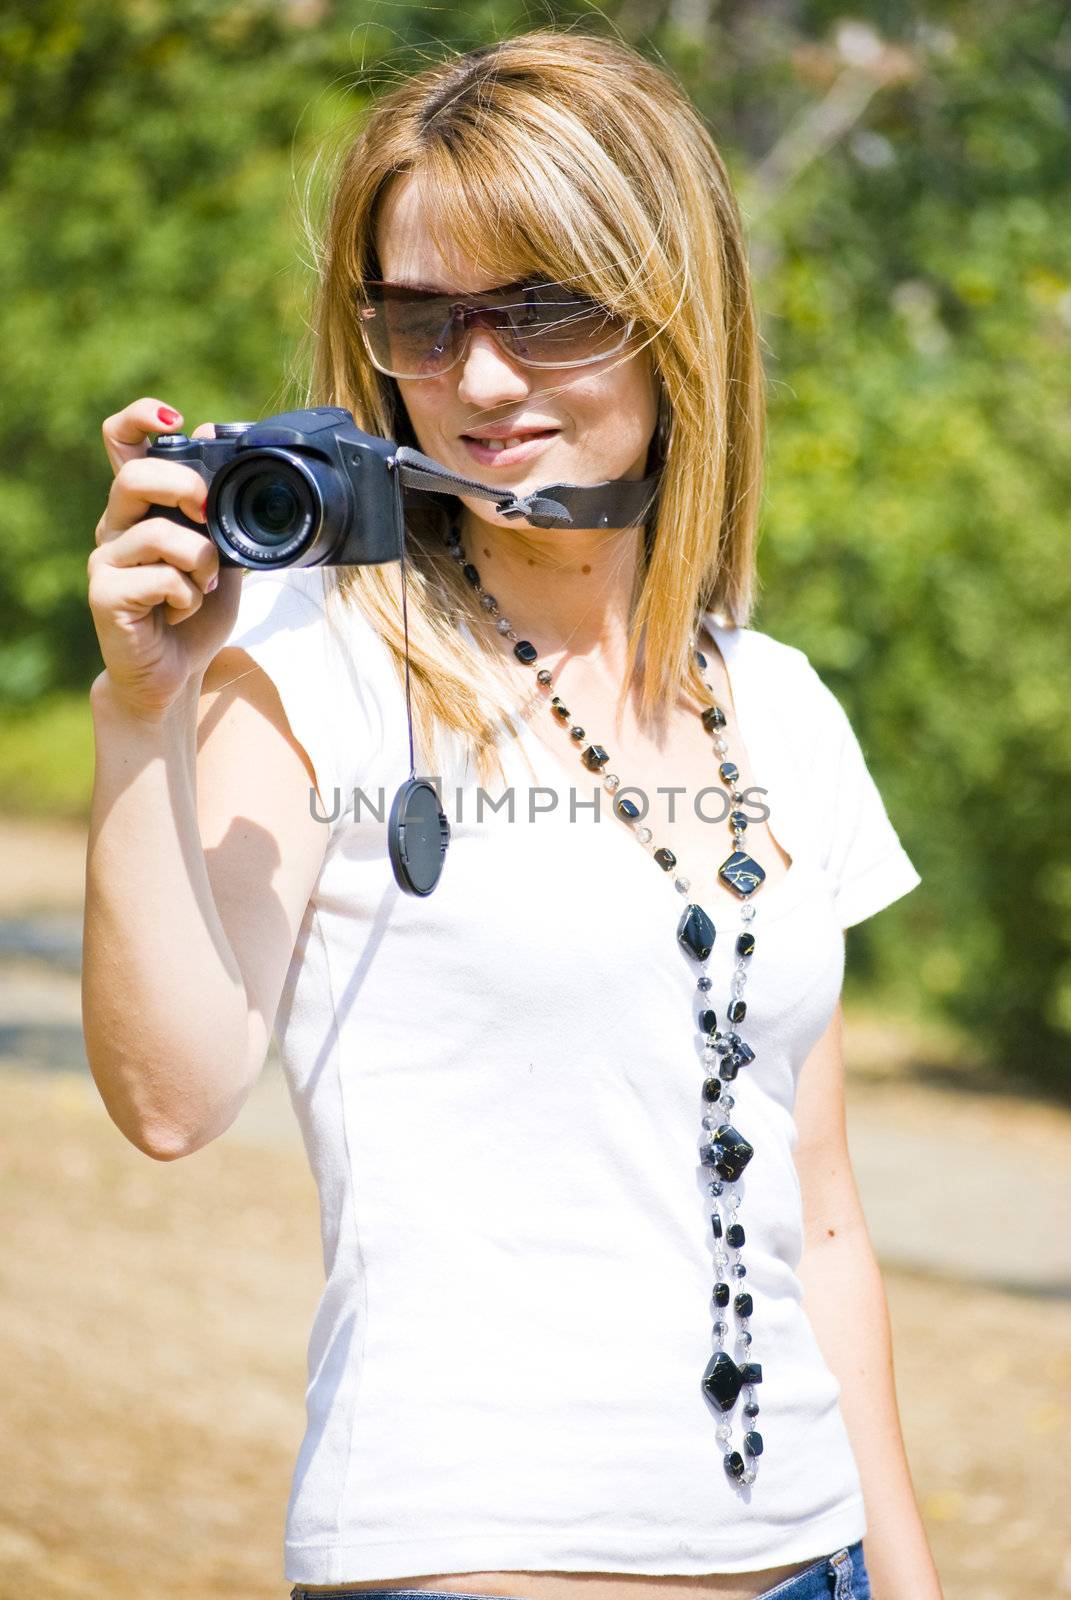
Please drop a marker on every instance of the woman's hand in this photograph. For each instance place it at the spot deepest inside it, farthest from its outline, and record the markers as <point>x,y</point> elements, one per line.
<point>162,605</point>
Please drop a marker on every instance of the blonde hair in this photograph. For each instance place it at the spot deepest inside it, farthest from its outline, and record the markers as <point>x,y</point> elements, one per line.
<point>569,156</point>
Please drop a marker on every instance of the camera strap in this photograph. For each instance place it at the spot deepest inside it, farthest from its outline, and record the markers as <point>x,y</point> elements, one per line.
<point>617,503</point>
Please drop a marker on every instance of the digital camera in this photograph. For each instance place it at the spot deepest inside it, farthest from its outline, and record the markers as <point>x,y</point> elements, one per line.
<point>301,489</point>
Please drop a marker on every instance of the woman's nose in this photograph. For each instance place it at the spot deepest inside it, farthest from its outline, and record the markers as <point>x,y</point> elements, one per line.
<point>488,376</point>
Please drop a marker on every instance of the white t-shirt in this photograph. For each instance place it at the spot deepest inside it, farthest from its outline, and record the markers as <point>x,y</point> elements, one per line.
<point>498,1089</point>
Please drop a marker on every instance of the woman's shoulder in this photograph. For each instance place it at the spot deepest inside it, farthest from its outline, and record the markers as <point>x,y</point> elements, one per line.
<point>765,664</point>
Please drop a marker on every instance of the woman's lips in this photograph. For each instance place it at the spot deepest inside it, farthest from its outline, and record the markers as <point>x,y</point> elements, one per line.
<point>529,447</point>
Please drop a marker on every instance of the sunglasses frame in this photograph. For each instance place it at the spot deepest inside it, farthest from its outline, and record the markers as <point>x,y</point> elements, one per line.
<point>464,307</point>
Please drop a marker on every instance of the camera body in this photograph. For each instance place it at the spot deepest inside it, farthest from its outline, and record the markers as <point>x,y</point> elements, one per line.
<point>301,489</point>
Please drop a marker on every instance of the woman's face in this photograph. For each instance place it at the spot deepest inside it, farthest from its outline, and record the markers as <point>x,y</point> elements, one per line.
<point>603,416</point>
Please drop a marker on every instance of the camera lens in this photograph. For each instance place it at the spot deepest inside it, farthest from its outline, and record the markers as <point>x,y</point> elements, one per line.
<point>274,508</point>
<point>270,510</point>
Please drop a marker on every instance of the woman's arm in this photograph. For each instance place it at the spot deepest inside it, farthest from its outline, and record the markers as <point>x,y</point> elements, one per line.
<point>845,1303</point>
<point>202,856</point>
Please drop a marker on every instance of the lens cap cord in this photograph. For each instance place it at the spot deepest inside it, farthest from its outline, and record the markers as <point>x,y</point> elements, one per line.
<point>418,831</point>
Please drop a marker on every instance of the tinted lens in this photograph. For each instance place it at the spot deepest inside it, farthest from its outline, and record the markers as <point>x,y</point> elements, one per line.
<point>550,327</point>
<point>409,334</point>
<point>412,333</point>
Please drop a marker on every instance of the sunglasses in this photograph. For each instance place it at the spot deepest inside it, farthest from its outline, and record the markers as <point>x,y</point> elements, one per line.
<point>421,333</point>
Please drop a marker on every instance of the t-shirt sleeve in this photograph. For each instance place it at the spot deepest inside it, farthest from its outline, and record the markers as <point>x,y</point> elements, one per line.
<point>867,863</point>
<point>281,624</point>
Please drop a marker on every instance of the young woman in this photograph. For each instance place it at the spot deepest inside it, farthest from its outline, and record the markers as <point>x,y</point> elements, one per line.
<point>601,1312</point>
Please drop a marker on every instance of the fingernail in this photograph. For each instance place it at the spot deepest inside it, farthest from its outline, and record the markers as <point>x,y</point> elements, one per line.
<point>211,584</point>
<point>168,416</point>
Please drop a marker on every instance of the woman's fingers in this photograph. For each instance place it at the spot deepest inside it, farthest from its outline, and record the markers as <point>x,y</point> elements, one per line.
<point>125,434</point>
<point>114,590</point>
<point>144,482</point>
<point>157,539</point>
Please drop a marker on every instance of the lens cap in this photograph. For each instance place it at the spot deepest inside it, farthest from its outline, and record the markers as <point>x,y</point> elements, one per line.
<point>417,836</point>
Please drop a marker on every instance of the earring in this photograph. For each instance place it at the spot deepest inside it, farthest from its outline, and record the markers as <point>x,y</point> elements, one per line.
<point>665,420</point>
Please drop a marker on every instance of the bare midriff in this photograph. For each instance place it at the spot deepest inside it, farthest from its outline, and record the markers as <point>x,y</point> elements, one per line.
<point>585,1585</point>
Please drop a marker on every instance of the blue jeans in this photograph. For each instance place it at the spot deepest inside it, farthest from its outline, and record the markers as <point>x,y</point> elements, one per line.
<point>840,1576</point>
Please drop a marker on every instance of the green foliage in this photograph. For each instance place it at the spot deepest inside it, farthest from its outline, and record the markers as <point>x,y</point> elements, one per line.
<point>904,176</point>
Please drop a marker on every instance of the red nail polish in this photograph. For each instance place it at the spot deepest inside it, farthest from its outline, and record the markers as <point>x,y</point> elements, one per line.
<point>166,414</point>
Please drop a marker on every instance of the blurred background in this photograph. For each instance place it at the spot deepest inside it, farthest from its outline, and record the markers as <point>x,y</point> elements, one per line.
<point>904,173</point>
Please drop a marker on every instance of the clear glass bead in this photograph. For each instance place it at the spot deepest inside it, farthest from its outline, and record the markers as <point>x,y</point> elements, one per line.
<point>721,745</point>
<point>489,602</point>
<point>682,885</point>
<point>739,1271</point>
<point>721,1328</point>
<point>744,1338</point>
<point>610,781</point>
<point>513,637</point>
<point>644,835</point>
<point>748,1476</point>
<point>721,1260</point>
<point>711,1122</point>
<point>703,984</point>
<point>738,985</point>
<point>747,912</point>
<point>726,1102</point>
<point>503,625</point>
<point>724,1432</point>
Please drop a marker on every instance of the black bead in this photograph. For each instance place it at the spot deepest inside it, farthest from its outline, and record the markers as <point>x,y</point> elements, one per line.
<point>738,819</point>
<point>713,717</point>
<point>627,808</point>
<point>745,944</point>
<point>742,1054</point>
<point>696,932</point>
<point>711,1090</point>
<point>701,658</point>
<point>734,1464</point>
<point>752,1372</point>
<point>722,1380</point>
<point>471,573</point>
<point>594,757</point>
<point>741,872</point>
<point>561,711</point>
<point>728,1153</point>
<point>751,1409</point>
<point>708,1021</point>
<point>753,1443</point>
<point>665,858</point>
<point>453,536</point>
<point>735,1235</point>
<point>525,651</point>
<point>721,1294</point>
<point>737,1010</point>
<point>728,1069</point>
<point>728,772</point>
<point>742,1305</point>
<point>715,1223</point>
<point>577,734</point>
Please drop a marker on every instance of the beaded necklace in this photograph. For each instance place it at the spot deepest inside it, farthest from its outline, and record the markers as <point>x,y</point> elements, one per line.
<point>723,1149</point>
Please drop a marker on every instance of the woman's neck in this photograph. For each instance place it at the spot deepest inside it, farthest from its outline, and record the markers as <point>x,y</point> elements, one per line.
<point>568,591</point>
